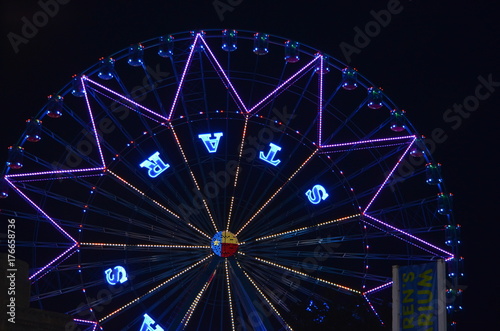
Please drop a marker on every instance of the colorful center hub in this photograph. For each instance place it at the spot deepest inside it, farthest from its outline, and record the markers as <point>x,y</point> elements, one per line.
<point>224,244</point>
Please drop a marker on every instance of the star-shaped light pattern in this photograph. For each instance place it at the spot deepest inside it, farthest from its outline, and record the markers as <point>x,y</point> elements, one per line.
<point>192,234</point>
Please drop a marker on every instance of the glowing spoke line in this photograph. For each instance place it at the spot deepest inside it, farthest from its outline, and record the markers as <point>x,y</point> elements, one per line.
<point>55,172</point>
<point>155,288</point>
<point>158,204</point>
<point>236,176</point>
<point>196,301</point>
<point>378,288</point>
<point>369,141</point>
<point>143,194</point>
<point>410,236</point>
<point>34,205</point>
<point>193,177</point>
<point>266,299</point>
<point>281,86</point>
<point>390,174</point>
<point>307,275</point>
<point>94,130</point>
<point>103,245</point>
<point>53,261</point>
<point>226,78</point>
<point>125,98</point>
<point>338,220</point>
<point>183,77</point>
<point>277,192</point>
<point>229,295</point>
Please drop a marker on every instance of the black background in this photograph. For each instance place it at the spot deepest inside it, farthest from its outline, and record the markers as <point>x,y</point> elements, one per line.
<point>427,58</point>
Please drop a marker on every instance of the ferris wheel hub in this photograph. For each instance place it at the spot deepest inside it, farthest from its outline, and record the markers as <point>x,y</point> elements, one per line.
<point>224,244</point>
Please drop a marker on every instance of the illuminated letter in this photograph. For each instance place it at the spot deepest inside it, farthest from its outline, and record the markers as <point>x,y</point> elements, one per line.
<point>116,275</point>
<point>316,194</point>
<point>155,165</point>
<point>148,323</point>
<point>269,158</point>
<point>211,143</point>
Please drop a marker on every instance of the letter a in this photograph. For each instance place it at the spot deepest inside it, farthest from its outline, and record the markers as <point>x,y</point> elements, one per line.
<point>211,143</point>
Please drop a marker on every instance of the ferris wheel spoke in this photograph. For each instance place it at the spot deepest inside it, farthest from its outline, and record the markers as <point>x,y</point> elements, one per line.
<point>259,210</point>
<point>366,144</point>
<point>267,300</point>
<point>284,85</point>
<point>155,202</point>
<point>336,254</point>
<point>135,106</point>
<point>187,317</point>
<point>55,261</point>
<point>306,229</point>
<point>237,173</point>
<point>229,294</point>
<point>326,270</point>
<point>222,74</point>
<point>325,282</point>
<point>182,78</point>
<point>407,237</point>
<point>204,200</point>
<point>389,175</point>
<point>41,211</point>
<point>156,288</point>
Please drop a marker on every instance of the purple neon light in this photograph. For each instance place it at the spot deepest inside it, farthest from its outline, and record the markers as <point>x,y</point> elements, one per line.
<point>390,174</point>
<point>58,178</point>
<point>53,261</point>
<point>127,99</point>
<point>97,140</point>
<point>226,78</point>
<point>320,101</point>
<point>53,172</point>
<point>58,227</point>
<point>181,83</point>
<point>86,322</point>
<point>378,288</point>
<point>409,235</point>
<point>369,141</point>
<point>280,87</point>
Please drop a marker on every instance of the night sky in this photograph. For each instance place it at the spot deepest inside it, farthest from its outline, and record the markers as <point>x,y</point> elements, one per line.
<point>430,59</point>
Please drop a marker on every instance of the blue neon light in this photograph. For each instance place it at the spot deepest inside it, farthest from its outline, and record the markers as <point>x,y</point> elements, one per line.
<point>116,275</point>
<point>316,194</point>
<point>149,324</point>
<point>211,143</point>
<point>269,158</point>
<point>155,165</point>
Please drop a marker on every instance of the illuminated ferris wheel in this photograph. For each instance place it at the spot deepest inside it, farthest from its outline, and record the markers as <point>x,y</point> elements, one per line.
<point>228,180</point>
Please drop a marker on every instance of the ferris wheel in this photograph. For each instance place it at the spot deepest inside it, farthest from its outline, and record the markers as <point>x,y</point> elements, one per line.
<point>223,180</point>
